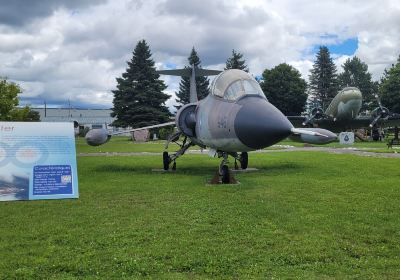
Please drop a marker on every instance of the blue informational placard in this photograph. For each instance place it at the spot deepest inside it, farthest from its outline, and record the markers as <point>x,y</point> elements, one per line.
<point>37,161</point>
<point>52,179</point>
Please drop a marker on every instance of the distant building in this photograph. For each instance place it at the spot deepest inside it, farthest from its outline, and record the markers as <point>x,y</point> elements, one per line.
<point>91,118</point>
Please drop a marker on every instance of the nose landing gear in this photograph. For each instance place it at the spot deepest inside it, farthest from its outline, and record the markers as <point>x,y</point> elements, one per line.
<point>224,174</point>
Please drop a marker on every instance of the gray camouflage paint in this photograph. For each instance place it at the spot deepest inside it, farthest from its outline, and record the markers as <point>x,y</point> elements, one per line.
<point>245,124</point>
<point>215,125</point>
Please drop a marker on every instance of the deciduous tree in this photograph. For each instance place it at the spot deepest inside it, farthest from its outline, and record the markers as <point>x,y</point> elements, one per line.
<point>356,74</point>
<point>389,88</point>
<point>284,88</point>
<point>9,101</point>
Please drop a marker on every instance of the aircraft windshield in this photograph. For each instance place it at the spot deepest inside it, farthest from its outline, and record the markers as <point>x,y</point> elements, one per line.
<point>233,84</point>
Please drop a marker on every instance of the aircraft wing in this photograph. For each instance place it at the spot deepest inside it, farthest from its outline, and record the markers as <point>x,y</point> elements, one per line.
<point>145,127</point>
<point>393,120</point>
<point>96,137</point>
<point>342,125</point>
<point>365,121</point>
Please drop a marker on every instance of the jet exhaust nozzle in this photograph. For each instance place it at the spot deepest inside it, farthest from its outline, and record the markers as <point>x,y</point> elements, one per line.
<point>317,136</point>
<point>97,137</point>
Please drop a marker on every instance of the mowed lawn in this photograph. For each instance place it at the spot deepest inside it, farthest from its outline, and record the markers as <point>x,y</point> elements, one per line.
<point>307,215</point>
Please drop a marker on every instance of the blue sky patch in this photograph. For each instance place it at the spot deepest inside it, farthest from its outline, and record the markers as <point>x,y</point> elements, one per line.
<point>346,47</point>
<point>170,65</point>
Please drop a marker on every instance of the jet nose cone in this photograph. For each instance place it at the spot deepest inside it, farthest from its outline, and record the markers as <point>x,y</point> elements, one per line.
<point>259,124</point>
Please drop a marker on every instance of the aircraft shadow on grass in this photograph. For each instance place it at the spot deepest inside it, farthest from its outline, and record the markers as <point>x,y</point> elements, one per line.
<point>265,169</point>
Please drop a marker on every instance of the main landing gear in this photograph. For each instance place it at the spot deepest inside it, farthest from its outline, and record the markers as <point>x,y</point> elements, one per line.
<point>168,159</point>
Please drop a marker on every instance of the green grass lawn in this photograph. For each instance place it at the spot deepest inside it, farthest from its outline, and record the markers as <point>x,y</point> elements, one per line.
<point>307,215</point>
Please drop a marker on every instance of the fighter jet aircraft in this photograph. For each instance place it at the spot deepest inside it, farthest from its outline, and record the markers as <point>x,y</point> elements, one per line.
<point>233,119</point>
<point>342,114</point>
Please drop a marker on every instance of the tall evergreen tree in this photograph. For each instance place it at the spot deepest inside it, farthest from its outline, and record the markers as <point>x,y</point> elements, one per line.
<point>236,61</point>
<point>356,74</point>
<point>389,88</point>
<point>139,99</point>
<point>323,77</point>
<point>285,89</point>
<point>202,83</point>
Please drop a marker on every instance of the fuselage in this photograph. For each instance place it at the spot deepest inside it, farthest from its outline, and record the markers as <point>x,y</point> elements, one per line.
<point>236,116</point>
<point>346,105</point>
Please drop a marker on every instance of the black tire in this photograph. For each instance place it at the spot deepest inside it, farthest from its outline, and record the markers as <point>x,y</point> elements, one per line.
<point>166,160</point>
<point>225,174</point>
<point>244,160</point>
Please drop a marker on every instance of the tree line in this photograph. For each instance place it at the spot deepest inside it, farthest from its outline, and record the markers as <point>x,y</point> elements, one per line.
<point>139,99</point>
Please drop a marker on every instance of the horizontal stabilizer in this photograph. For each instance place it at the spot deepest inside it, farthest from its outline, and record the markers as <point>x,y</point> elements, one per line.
<point>187,72</point>
<point>206,72</point>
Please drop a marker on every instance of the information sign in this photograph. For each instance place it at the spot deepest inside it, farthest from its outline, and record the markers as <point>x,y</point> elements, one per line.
<point>346,138</point>
<point>37,161</point>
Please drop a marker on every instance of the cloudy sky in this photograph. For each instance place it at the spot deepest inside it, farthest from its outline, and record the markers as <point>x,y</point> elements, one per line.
<point>63,51</point>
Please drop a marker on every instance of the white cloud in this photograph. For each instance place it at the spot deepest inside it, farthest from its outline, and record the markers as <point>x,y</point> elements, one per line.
<point>75,50</point>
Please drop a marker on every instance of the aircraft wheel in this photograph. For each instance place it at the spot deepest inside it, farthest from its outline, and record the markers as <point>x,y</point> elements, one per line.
<point>244,160</point>
<point>225,174</point>
<point>166,160</point>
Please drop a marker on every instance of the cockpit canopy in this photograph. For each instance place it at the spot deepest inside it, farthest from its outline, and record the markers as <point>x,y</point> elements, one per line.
<point>233,84</point>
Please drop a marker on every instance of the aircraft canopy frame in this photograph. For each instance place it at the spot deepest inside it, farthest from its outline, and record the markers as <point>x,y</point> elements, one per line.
<point>233,84</point>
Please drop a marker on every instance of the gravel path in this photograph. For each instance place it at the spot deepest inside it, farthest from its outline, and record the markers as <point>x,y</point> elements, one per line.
<point>359,152</point>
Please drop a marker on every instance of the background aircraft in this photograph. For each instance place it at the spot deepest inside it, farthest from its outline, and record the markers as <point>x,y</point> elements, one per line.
<point>233,119</point>
<point>342,114</point>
